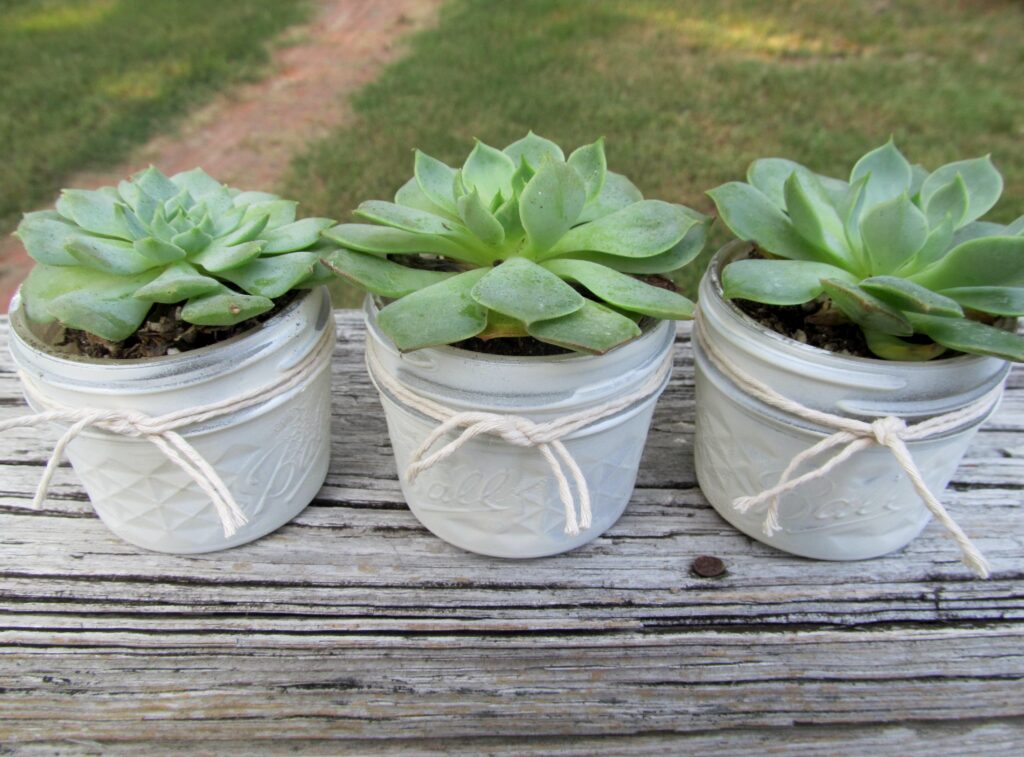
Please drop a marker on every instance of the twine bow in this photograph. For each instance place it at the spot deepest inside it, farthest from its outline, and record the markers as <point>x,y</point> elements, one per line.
<point>852,436</point>
<point>162,431</point>
<point>516,430</point>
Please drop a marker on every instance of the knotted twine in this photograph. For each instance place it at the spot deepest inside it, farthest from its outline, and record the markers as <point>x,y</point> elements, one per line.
<point>853,436</point>
<point>516,430</point>
<point>162,430</point>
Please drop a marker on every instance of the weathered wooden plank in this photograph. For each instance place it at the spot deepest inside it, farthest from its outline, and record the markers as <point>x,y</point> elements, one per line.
<point>355,623</point>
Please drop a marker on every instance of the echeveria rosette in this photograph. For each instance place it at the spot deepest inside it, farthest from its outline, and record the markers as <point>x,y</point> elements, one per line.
<point>105,256</point>
<point>898,250</point>
<point>524,230</point>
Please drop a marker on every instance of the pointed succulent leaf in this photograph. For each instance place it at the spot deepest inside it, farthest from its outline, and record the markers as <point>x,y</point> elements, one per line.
<point>197,182</point>
<point>280,212</point>
<point>622,291</point>
<point>381,276</point>
<point>751,216</point>
<point>479,220</point>
<point>816,219</point>
<point>965,335</point>
<point>779,282</point>
<point>983,182</point>
<point>93,211</point>
<point>508,216</point>
<point>220,257</point>
<point>112,256</point>
<point>158,251</point>
<point>949,200</point>
<point>178,282</point>
<point>224,307</point>
<point>770,175</point>
<point>990,261</point>
<point>550,204</point>
<point>521,289</point>
<point>410,195</point>
<point>142,203</point>
<point>889,174</point>
<point>126,216</point>
<point>273,276</point>
<point>640,230</point>
<point>593,328</point>
<point>383,240</point>
<point>111,294</point>
<point>904,294</point>
<point>521,178</point>
<point>893,231</point>
<point>683,252</point>
<point>616,193</point>
<point>489,171</point>
<point>44,234</point>
<point>935,246</point>
<point>155,184</point>
<point>850,210</point>
<point>1016,228</point>
<point>443,313</point>
<point>402,217</point>
<point>436,180</point>
<point>294,236</point>
<point>592,166</point>
<point>889,347</point>
<point>180,203</point>
<point>248,231</point>
<point>535,150</point>
<point>865,309</point>
<point>978,229</point>
<point>997,300</point>
<point>192,241</point>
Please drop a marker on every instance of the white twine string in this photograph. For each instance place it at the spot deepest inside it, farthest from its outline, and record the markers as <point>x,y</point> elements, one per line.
<point>853,436</point>
<point>516,430</point>
<point>162,431</point>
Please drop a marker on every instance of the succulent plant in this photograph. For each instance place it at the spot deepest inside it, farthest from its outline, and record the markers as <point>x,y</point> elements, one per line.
<point>519,234</point>
<point>896,250</point>
<point>105,256</point>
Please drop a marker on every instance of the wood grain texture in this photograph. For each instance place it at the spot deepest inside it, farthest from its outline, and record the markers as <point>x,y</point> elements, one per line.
<point>354,629</point>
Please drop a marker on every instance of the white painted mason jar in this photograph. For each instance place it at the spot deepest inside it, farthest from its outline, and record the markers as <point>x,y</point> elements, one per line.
<point>272,457</point>
<point>864,508</point>
<point>501,500</point>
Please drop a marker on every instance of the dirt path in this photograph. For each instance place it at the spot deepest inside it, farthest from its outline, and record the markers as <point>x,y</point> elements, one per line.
<point>247,137</point>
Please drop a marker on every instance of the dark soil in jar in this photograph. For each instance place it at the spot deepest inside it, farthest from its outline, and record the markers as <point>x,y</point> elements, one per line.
<point>162,333</point>
<point>802,323</point>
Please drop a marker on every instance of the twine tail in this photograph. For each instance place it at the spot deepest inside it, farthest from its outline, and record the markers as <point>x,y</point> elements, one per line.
<point>971,555</point>
<point>54,462</point>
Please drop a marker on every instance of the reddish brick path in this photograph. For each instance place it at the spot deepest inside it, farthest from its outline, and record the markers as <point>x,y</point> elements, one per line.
<point>247,137</point>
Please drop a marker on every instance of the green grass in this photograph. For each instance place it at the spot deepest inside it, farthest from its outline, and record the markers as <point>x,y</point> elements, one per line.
<point>688,93</point>
<point>83,81</point>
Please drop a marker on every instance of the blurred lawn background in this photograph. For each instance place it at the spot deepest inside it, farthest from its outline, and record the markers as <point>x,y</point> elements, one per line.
<point>686,93</point>
<point>84,81</point>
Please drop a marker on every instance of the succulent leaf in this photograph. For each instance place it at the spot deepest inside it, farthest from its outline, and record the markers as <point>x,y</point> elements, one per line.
<point>997,300</point>
<point>949,200</point>
<point>442,313</point>
<point>176,283</point>
<point>640,230</point>
<point>623,291</point>
<point>45,234</point>
<point>592,166</point>
<point>535,151</point>
<point>379,275</point>
<point>865,309</point>
<point>779,282</point>
<point>988,261</point>
<point>677,256</point>
<point>966,335</point>
<point>593,328</point>
<point>488,171</point>
<point>550,204</point>
<point>521,289</point>
<point>436,180</point>
<point>479,220</point>
<point>368,238</point>
<point>750,215</point>
<point>982,182</point>
<point>403,217</point>
<point>892,232</point>
<point>888,173</point>
<point>616,193</point>
<point>904,294</point>
<point>224,307</point>
<point>814,216</point>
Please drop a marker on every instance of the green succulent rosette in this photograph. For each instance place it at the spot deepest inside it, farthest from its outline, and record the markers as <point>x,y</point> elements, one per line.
<point>898,250</point>
<point>533,243</point>
<point>104,257</point>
